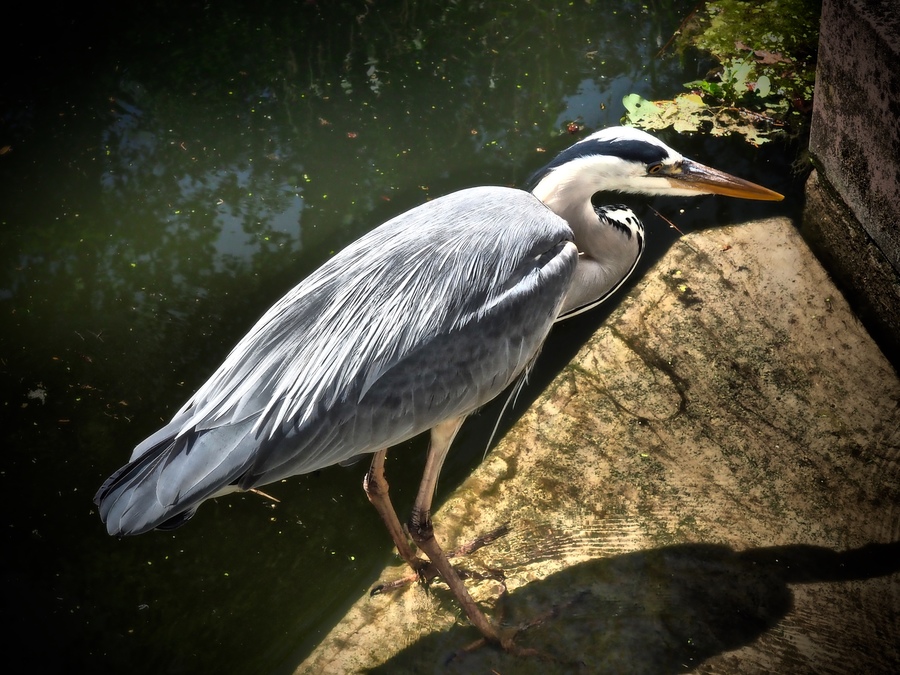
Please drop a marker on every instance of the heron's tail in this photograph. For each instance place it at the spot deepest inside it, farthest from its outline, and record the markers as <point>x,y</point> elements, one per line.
<point>169,476</point>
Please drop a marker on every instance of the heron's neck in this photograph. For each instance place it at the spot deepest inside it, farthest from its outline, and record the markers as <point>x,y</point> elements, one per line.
<point>606,255</point>
<point>571,201</point>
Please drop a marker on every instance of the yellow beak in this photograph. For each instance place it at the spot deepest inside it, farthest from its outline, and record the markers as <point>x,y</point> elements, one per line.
<point>694,176</point>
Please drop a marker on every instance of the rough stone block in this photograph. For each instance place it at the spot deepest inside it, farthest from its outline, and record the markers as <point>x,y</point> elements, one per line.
<point>713,484</point>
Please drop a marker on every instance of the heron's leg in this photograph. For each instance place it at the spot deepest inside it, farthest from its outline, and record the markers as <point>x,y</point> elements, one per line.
<point>376,487</point>
<point>442,437</point>
<point>422,531</point>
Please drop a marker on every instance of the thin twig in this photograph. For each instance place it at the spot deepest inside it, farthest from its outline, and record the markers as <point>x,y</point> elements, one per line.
<point>678,30</point>
<point>671,224</point>
<point>263,494</point>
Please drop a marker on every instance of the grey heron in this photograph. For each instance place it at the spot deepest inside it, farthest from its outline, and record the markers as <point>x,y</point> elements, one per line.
<point>409,329</point>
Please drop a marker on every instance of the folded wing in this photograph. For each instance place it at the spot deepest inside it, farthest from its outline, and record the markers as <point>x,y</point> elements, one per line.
<point>427,317</point>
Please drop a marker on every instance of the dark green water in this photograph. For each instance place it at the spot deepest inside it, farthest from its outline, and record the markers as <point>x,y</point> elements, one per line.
<point>167,171</point>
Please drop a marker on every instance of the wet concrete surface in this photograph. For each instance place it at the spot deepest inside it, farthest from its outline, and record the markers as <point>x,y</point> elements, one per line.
<point>711,485</point>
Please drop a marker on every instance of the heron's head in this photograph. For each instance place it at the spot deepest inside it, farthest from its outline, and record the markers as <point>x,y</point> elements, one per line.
<point>624,159</point>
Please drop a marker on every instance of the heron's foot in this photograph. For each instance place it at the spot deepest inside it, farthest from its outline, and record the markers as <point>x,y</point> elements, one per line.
<point>424,570</point>
<point>506,642</point>
<point>480,542</point>
<point>505,637</point>
<point>426,574</point>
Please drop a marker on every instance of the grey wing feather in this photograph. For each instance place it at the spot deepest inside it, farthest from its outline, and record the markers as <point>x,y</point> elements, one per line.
<point>427,317</point>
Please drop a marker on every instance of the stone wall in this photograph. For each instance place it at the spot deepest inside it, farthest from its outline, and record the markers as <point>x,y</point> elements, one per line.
<point>853,207</point>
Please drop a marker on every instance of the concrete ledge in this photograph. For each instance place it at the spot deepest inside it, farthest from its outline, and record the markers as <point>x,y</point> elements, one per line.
<point>712,483</point>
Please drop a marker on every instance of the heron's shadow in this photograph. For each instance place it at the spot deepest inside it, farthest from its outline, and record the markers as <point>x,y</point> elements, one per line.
<point>663,610</point>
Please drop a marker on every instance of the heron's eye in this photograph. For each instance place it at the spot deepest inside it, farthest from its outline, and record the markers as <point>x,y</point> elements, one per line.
<point>656,167</point>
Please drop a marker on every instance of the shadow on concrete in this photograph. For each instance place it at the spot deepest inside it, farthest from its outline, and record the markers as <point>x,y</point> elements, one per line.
<point>664,610</point>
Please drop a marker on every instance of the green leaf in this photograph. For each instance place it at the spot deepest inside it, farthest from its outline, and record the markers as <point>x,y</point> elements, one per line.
<point>632,101</point>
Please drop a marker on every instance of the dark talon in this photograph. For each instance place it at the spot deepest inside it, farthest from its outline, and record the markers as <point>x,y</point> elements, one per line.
<point>424,571</point>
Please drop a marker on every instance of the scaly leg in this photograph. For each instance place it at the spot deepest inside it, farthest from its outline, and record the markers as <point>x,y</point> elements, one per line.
<point>376,487</point>
<point>422,531</point>
<point>428,572</point>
